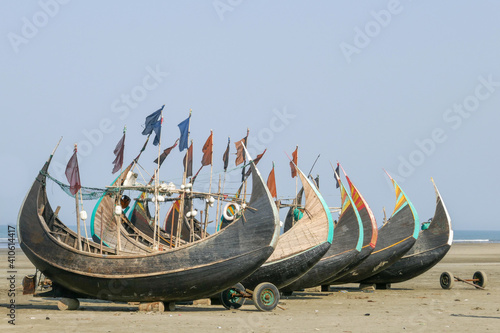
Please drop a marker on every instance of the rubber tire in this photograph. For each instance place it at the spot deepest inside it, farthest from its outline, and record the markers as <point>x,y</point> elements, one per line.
<point>481,276</point>
<point>229,301</point>
<point>266,296</point>
<point>446,280</point>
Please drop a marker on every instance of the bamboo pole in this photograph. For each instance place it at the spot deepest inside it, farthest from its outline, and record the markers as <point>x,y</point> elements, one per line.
<point>218,200</point>
<point>84,224</point>
<point>209,188</point>
<point>79,236</point>
<point>181,205</point>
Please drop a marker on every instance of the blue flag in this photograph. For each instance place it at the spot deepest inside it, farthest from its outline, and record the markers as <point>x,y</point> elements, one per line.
<point>151,121</point>
<point>184,128</point>
<point>157,129</point>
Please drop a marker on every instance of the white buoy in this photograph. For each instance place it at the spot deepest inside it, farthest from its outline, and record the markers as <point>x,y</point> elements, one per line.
<point>83,215</point>
<point>118,210</point>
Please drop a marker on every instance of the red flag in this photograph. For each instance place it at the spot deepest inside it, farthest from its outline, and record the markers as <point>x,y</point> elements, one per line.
<point>225,157</point>
<point>120,147</point>
<point>188,161</point>
<point>73,174</point>
<point>240,154</point>
<point>165,153</point>
<point>271,183</point>
<point>294,161</point>
<point>207,151</point>
<point>255,161</point>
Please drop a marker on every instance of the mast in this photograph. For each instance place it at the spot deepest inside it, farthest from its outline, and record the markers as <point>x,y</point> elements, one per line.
<point>156,226</point>
<point>77,208</point>
<point>183,194</point>
<point>207,201</point>
<point>243,171</point>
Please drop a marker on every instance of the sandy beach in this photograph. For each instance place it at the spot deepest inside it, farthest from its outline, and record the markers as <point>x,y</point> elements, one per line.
<point>418,305</point>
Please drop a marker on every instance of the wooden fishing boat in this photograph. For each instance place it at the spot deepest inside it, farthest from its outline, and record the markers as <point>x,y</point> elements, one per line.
<point>346,246</point>
<point>187,272</point>
<point>432,244</point>
<point>395,238</point>
<point>300,247</point>
<point>370,234</point>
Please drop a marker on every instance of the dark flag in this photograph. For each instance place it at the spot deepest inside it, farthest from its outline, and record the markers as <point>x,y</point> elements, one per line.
<point>157,130</point>
<point>184,128</point>
<point>151,121</point>
<point>337,175</point>
<point>271,183</point>
<point>225,157</point>
<point>188,161</point>
<point>73,174</point>
<point>293,163</point>
<point>120,147</point>
<point>165,153</point>
<point>255,161</point>
<point>207,151</point>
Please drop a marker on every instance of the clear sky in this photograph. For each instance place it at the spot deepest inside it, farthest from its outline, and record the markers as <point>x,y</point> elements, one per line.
<point>409,86</point>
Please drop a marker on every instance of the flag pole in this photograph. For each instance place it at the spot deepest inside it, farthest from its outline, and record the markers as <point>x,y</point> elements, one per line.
<point>243,172</point>
<point>77,207</point>
<point>219,201</point>
<point>181,206</point>
<point>156,230</point>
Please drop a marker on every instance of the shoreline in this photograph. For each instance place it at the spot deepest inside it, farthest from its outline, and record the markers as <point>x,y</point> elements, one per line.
<point>417,305</point>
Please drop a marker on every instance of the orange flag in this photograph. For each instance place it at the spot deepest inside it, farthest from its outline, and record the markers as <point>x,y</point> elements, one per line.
<point>271,183</point>
<point>294,161</point>
<point>207,151</point>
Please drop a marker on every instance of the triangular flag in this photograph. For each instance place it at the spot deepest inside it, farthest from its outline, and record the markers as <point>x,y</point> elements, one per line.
<point>165,153</point>
<point>293,163</point>
<point>271,183</point>
<point>207,151</point>
<point>120,147</point>
<point>225,157</point>
<point>151,121</point>
<point>73,174</point>
<point>184,128</point>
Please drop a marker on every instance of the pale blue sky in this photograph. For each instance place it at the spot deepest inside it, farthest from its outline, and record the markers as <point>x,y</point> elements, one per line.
<point>409,86</point>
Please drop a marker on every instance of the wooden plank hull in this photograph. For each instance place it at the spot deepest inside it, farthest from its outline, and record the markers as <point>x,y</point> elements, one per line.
<point>368,246</point>
<point>431,246</point>
<point>282,273</point>
<point>192,271</point>
<point>395,238</point>
<point>342,252</point>
<point>300,247</point>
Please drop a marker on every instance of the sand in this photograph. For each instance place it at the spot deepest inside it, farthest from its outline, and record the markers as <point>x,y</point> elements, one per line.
<point>418,305</point>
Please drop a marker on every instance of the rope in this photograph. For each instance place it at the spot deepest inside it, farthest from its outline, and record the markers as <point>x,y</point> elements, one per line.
<point>87,193</point>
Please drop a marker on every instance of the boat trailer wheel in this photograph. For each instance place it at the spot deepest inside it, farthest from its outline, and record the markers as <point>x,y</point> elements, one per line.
<point>478,280</point>
<point>233,298</point>
<point>266,296</point>
<point>446,280</point>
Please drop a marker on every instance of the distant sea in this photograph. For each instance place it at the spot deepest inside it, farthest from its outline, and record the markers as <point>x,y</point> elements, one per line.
<point>459,236</point>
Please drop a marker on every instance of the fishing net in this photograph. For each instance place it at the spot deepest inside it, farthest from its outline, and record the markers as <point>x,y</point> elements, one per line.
<point>88,193</point>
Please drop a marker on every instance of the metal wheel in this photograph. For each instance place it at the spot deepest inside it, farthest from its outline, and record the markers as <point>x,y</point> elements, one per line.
<point>480,279</point>
<point>231,298</point>
<point>446,280</point>
<point>266,296</point>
